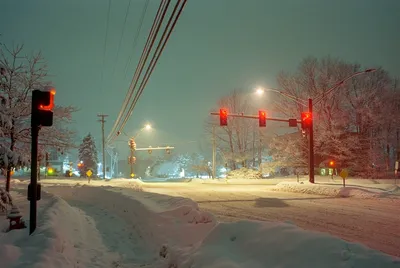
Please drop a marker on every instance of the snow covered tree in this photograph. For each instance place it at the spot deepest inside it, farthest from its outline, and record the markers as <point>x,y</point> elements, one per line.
<point>88,155</point>
<point>239,140</point>
<point>199,165</point>
<point>181,161</point>
<point>5,200</point>
<point>351,125</point>
<point>20,74</point>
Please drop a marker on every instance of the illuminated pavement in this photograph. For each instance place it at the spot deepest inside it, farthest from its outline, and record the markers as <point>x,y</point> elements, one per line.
<point>373,222</point>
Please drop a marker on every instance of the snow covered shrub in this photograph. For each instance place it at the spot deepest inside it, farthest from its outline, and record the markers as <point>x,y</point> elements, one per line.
<point>5,200</point>
<point>244,173</point>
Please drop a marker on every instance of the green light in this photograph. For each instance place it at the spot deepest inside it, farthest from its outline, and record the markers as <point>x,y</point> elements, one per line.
<point>50,171</point>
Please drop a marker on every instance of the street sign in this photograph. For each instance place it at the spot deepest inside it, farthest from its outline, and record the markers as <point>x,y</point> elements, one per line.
<point>344,174</point>
<point>89,173</point>
<point>292,122</point>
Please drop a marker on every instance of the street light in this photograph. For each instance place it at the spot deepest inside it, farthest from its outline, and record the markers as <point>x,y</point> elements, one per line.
<point>260,91</point>
<point>310,110</point>
<point>146,127</point>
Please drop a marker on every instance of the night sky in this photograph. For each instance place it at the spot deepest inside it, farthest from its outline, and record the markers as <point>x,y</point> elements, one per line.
<point>217,45</point>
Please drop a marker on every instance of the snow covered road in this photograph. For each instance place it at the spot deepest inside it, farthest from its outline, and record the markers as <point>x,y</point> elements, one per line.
<point>81,226</point>
<point>373,222</point>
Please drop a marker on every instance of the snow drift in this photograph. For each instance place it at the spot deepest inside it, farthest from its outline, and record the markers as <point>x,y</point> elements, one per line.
<point>263,244</point>
<point>331,190</point>
<point>179,237</point>
<point>61,240</point>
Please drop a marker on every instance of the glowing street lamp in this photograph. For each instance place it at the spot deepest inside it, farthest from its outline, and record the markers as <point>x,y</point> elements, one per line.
<point>147,126</point>
<point>260,91</point>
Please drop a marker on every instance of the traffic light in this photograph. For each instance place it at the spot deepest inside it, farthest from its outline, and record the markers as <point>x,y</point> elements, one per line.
<point>42,107</point>
<point>331,163</point>
<point>168,151</point>
<point>262,118</point>
<point>306,120</point>
<point>131,160</point>
<point>149,151</point>
<point>132,144</point>
<point>223,117</point>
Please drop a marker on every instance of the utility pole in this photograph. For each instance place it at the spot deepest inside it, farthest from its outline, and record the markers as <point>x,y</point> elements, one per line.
<point>102,121</point>
<point>214,151</point>
<point>397,163</point>
<point>260,152</point>
<point>311,153</point>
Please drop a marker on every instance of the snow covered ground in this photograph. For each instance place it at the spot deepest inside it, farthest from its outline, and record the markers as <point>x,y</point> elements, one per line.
<point>81,226</point>
<point>337,190</point>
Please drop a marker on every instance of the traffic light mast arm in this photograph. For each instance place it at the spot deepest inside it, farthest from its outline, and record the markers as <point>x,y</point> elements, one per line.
<point>256,117</point>
<point>154,148</point>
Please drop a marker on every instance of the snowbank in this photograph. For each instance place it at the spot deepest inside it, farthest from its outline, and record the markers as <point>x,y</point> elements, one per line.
<point>61,240</point>
<point>330,190</point>
<point>262,244</point>
<point>104,228</point>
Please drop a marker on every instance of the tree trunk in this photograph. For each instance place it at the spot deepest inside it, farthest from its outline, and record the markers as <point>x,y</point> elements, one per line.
<point>9,168</point>
<point>8,179</point>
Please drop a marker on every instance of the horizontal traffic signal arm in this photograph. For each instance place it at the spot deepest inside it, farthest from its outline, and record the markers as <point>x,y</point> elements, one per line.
<point>241,115</point>
<point>154,148</point>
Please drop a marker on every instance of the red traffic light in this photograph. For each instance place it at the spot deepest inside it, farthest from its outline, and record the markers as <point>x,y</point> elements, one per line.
<point>42,106</point>
<point>46,102</point>
<point>331,163</point>
<point>262,118</point>
<point>132,144</point>
<point>223,117</point>
<point>306,120</point>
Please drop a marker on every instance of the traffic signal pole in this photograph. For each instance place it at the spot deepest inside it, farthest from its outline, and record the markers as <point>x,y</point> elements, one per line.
<point>311,142</point>
<point>131,161</point>
<point>34,173</point>
<point>41,116</point>
<point>214,151</point>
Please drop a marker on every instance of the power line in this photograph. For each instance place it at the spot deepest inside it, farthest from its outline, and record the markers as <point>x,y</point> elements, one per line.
<point>135,38</point>
<point>146,50</point>
<point>155,58</point>
<point>105,40</point>
<point>131,87</point>
<point>160,47</point>
<point>122,34</point>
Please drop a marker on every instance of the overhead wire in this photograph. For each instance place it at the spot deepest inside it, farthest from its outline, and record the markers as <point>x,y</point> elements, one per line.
<point>122,35</point>
<point>105,40</point>
<point>160,48</point>
<point>136,36</point>
<point>146,50</point>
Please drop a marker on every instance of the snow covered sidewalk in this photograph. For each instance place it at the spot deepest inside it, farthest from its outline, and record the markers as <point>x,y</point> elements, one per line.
<point>100,227</point>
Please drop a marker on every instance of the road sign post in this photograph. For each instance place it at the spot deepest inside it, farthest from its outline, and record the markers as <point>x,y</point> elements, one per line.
<point>344,174</point>
<point>89,174</point>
